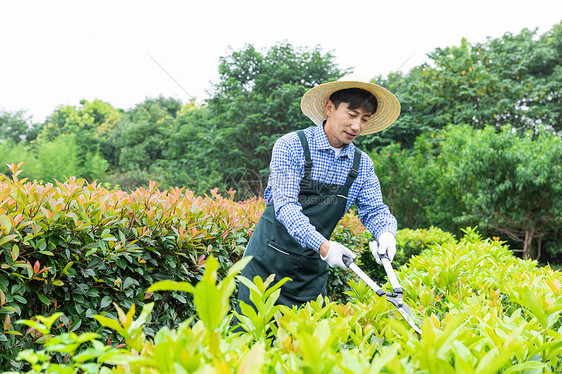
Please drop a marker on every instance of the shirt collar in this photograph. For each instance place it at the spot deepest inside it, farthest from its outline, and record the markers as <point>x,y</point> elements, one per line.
<point>321,142</point>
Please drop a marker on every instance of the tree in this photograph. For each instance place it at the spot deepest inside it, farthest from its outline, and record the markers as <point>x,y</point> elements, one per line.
<point>58,158</point>
<point>90,127</point>
<point>255,101</point>
<point>91,124</point>
<point>513,184</point>
<point>188,160</point>
<point>416,183</point>
<point>513,80</point>
<point>139,137</point>
<point>16,128</point>
<point>509,184</point>
<point>11,153</point>
<point>138,143</point>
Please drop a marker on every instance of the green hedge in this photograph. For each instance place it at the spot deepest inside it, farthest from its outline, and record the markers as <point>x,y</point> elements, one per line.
<point>481,310</point>
<point>77,248</point>
<point>409,243</point>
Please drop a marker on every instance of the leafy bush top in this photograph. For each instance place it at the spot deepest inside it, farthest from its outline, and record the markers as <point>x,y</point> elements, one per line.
<point>76,247</point>
<point>482,309</point>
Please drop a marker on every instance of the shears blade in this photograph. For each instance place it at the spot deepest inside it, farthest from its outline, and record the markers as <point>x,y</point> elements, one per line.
<point>406,314</point>
<point>404,310</point>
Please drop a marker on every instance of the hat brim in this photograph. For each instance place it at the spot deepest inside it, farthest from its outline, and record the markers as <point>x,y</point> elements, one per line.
<point>313,104</point>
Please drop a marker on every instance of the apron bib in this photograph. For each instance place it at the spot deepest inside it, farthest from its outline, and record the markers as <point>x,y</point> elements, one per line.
<point>274,250</point>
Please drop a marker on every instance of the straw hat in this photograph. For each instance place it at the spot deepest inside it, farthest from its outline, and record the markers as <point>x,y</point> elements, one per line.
<point>313,102</point>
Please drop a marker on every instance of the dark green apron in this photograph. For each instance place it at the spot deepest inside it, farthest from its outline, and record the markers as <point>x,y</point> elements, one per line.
<point>275,251</point>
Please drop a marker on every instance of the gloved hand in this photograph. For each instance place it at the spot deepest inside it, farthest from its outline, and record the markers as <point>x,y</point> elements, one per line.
<point>386,245</point>
<point>335,254</point>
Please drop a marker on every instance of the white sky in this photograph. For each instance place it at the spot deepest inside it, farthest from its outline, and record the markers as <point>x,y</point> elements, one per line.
<point>58,52</point>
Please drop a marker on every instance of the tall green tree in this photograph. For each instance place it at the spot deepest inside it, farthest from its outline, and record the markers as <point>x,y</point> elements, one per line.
<point>138,142</point>
<point>188,160</point>
<point>58,159</point>
<point>140,135</point>
<point>14,153</point>
<point>16,133</point>
<point>512,80</point>
<point>416,184</point>
<point>91,123</point>
<point>509,184</point>
<point>255,101</point>
<point>512,183</point>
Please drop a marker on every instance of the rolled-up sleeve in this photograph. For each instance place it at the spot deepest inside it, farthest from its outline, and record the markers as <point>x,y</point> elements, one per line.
<point>373,213</point>
<point>286,173</point>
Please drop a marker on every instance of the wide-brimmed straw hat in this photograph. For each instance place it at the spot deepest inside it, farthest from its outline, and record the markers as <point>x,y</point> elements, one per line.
<point>313,102</point>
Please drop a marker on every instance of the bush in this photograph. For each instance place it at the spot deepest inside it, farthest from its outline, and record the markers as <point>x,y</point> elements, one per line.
<point>482,310</point>
<point>77,247</point>
<point>409,243</point>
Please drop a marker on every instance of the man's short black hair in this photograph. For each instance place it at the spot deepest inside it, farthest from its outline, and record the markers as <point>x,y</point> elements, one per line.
<point>356,98</point>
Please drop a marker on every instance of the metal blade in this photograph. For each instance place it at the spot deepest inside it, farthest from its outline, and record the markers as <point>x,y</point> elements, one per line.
<point>402,308</point>
<point>406,314</point>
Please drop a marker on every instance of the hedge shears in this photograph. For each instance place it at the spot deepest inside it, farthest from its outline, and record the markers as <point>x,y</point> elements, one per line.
<point>395,297</point>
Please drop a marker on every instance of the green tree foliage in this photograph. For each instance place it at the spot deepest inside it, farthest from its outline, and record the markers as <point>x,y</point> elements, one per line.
<point>507,183</point>
<point>514,79</point>
<point>255,101</point>
<point>138,142</point>
<point>91,123</point>
<point>518,185</point>
<point>11,153</point>
<point>16,128</point>
<point>58,159</point>
<point>142,131</point>
<point>401,180</point>
<point>16,131</point>
<point>90,126</point>
<point>188,159</point>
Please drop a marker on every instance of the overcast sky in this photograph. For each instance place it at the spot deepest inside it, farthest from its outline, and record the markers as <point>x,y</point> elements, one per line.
<point>58,52</point>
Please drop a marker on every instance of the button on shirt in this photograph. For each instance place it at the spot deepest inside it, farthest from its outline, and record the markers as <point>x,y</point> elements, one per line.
<point>287,170</point>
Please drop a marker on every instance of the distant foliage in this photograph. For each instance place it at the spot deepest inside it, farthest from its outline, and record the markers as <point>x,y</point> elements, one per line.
<point>255,101</point>
<point>506,183</point>
<point>16,128</point>
<point>512,80</point>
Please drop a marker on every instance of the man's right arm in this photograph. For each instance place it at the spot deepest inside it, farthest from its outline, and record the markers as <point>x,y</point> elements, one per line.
<point>286,172</point>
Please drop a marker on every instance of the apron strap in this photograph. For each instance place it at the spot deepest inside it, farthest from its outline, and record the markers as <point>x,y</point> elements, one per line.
<point>354,172</point>
<point>308,160</point>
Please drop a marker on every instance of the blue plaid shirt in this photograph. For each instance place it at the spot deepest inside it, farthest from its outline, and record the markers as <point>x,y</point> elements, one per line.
<point>287,170</point>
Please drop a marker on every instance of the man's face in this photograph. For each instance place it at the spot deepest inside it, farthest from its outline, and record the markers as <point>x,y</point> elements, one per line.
<point>343,125</point>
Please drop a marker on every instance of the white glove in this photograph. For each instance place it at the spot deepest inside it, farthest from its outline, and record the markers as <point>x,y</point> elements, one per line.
<point>386,245</point>
<point>335,255</point>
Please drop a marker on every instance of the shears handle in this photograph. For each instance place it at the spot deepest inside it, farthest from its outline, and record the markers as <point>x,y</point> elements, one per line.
<point>386,263</point>
<point>348,261</point>
<point>391,275</point>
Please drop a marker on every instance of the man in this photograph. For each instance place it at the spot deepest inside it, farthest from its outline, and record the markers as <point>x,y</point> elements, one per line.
<point>315,176</point>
